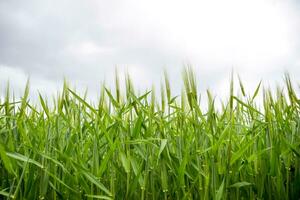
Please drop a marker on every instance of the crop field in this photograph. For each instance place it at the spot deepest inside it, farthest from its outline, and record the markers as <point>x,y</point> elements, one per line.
<point>145,145</point>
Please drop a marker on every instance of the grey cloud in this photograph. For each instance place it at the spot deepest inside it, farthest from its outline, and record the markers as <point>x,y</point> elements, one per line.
<point>34,35</point>
<point>37,36</point>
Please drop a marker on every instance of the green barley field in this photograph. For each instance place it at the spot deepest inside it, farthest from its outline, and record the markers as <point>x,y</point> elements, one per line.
<point>149,145</point>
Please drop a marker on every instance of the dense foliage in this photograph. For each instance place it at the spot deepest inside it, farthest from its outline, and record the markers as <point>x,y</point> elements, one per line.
<point>131,146</point>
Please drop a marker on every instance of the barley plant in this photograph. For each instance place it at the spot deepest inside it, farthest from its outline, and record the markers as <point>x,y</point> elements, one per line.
<point>132,145</point>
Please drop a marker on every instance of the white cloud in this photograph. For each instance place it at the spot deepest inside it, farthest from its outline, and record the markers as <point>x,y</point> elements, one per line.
<point>223,32</point>
<point>88,49</point>
<point>16,78</point>
<point>84,41</point>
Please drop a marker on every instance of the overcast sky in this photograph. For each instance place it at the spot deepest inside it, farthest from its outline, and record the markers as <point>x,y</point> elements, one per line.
<point>84,41</point>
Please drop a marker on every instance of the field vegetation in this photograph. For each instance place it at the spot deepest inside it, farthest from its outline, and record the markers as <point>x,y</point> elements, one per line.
<point>132,145</point>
